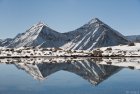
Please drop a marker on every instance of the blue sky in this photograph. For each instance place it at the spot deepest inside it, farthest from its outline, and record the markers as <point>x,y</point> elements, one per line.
<point>16,16</point>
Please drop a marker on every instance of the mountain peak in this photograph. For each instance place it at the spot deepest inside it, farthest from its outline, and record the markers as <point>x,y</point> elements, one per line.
<point>95,34</point>
<point>94,20</point>
<point>37,27</point>
<point>40,24</point>
<point>39,35</point>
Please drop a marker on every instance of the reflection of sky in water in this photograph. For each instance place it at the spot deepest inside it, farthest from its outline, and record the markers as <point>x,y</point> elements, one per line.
<point>15,81</point>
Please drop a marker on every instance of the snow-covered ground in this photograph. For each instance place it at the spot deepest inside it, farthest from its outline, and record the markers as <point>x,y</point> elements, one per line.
<point>121,50</point>
<point>112,51</point>
<point>37,52</point>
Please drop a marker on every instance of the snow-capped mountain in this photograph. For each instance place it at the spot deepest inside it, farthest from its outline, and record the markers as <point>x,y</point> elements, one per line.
<point>134,38</point>
<point>39,35</point>
<point>91,35</point>
<point>94,34</point>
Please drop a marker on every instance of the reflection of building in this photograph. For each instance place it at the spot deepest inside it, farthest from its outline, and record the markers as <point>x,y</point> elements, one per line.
<point>86,69</point>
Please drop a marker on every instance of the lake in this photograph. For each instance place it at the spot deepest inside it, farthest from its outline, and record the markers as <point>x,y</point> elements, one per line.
<point>70,76</point>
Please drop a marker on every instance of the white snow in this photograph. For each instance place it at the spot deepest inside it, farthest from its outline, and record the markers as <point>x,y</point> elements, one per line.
<point>121,50</point>
<point>112,51</point>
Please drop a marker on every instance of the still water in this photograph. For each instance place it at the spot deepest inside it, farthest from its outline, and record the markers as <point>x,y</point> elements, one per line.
<point>69,76</point>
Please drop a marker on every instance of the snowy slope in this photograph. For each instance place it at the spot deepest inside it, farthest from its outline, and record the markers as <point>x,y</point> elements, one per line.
<point>39,35</point>
<point>134,38</point>
<point>94,34</point>
<point>6,42</point>
<point>0,42</point>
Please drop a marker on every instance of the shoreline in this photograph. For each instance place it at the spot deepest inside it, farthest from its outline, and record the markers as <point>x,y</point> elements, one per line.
<point>69,57</point>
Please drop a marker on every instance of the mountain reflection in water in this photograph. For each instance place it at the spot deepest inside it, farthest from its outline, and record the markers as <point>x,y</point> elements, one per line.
<point>94,70</point>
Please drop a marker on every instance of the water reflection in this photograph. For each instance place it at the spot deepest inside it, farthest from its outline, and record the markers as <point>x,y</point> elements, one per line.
<point>94,70</point>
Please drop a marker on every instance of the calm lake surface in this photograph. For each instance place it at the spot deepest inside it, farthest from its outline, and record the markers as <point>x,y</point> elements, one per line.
<point>69,77</point>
